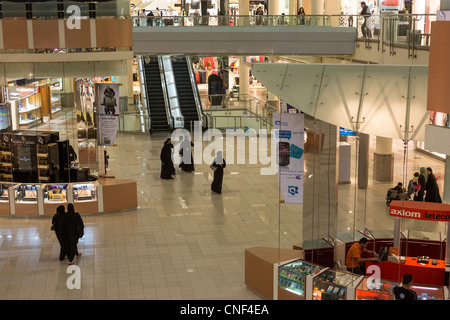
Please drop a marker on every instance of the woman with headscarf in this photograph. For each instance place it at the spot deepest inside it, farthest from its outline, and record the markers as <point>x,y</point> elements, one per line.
<point>187,161</point>
<point>167,167</point>
<point>74,229</point>
<point>57,226</point>
<point>218,165</point>
<point>422,181</point>
<point>432,188</point>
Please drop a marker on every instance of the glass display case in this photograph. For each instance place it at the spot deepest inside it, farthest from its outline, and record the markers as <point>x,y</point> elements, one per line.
<point>292,276</point>
<point>334,285</point>
<point>371,289</point>
<point>84,192</point>
<point>428,292</point>
<point>26,193</point>
<point>55,193</point>
<point>6,166</point>
<point>4,191</point>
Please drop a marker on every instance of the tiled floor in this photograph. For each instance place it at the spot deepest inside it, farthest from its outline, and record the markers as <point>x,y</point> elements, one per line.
<point>182,242</point>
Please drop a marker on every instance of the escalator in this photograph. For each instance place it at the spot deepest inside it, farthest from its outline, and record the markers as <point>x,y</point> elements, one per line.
<point>185,90</point>
<point>156,104</point>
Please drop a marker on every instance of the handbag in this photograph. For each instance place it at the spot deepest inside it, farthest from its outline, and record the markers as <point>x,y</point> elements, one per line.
<point>213,168</point>
<point>52,227</point>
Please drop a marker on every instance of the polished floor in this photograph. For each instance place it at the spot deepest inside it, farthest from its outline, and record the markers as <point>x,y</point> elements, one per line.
<point>182,242</point>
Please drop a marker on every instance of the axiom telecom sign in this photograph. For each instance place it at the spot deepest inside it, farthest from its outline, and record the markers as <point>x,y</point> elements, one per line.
<point>420,210</point>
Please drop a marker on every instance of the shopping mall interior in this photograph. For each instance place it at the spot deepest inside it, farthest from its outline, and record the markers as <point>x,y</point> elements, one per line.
<point>113,80</point>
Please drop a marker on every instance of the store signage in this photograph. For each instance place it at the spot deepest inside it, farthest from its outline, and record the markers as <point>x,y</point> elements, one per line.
<point>428,211</point>
<point>390,5</point>
<point>289,134</point>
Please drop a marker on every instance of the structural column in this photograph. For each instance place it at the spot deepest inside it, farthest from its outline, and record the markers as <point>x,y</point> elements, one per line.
<point>244,77</point>
<point>383,160</point>
<point>363,161</point>
<point>317,6</point>
<point>244,10</point>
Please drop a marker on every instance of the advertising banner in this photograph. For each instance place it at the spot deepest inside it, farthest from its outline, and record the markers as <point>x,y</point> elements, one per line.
<point>428,211</point>
<point>108,113</point>
<point>289,144</point>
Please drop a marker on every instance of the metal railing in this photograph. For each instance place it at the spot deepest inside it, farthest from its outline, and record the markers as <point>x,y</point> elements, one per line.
<point>246,20</point>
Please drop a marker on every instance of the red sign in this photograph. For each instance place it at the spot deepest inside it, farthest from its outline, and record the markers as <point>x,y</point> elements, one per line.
<point>419,210</point>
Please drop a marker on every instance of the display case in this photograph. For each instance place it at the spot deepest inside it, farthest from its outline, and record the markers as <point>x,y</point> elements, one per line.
<point>292,277</point>
<point>84,192</point>
<point>429,292</point>
<point>30,112</point>
<point>371,289</point>
<point>26,193</point>
<point>6,166</point>
<point>55,193</point>
<point>4,192</point>
<point>335,285</point>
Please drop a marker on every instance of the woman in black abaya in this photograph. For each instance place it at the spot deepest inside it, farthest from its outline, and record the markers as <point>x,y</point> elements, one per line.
<point>74,229</point>
<point>187,161</point>
<point>219,164</point>
<point>58,224</point>
<point>432,188</point>
<point>167,167</point>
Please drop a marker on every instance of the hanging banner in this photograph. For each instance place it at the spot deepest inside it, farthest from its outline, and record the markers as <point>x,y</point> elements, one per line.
<point>289,144</point>
<point>108,112</point>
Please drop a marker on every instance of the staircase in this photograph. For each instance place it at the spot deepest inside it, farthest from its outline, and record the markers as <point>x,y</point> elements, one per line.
<point>155,103</point>
<point>185,91</point>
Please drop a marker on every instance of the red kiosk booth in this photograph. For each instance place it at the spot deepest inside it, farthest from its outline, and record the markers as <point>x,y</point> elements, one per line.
<point>429,270</point>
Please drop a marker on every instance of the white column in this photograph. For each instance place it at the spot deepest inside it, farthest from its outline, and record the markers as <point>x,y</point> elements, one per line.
<point>293,7</point>
<point>244,10</point>
<point>317,6</point>
<point>274,8</point>
<point>244,78</point>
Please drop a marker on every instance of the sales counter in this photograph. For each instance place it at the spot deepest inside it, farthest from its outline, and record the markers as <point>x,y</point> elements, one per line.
<point>102,195</point>
<point>423,273</point>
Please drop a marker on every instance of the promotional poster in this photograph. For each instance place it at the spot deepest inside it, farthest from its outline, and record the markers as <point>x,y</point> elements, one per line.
<point>289,135</point>
<point>108,112</point>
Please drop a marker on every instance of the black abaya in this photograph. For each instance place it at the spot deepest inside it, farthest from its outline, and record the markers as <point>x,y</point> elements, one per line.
<point>167,167</point>
<point>216,185</point>
<point>421,192</point>
<point>72,225</point>
<point>185,152</point>
<point>58,223</point>
<point>432,190</point>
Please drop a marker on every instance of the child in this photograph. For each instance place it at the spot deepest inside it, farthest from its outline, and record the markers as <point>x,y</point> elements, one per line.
<point>417,185</point>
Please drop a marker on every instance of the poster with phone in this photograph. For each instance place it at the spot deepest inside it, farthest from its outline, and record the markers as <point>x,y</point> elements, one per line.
<point>289,144</point>
<point>108,112</point>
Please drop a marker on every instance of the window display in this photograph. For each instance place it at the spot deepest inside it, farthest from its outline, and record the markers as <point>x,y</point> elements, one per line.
<point>333,285</point>
<point>428,292</point>
<point>292,276</point>
<point>26,193</point>
<point>4,192</point>
<point>55,91</point>
<point>5,162</point>
<point>55,193</point>
<point>84,192</point>
<point>371,289</point>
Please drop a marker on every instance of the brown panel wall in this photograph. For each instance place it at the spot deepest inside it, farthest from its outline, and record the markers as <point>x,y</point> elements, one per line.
<point>15,34</point>
<point>119,194</point>
<point>114,33</point>
<point>45,34</point>
<point>78,38</point>
<point>439,68</point>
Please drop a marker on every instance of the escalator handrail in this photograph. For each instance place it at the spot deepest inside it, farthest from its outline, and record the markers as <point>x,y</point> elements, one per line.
<point>198,103</point>
<point>144,90</point>
<point>170,119</point>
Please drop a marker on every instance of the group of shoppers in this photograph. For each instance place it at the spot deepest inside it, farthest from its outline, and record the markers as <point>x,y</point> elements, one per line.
<point>187,163</point>
<point>68,227</point>
<point>423,186</point>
